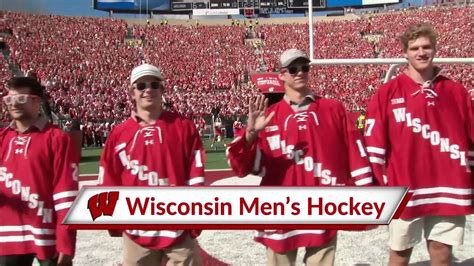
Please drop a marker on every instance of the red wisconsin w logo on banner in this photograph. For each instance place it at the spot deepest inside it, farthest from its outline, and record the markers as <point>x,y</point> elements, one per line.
<point>102,204</point>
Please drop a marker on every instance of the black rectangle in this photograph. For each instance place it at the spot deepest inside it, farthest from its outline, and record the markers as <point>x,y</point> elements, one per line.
<point>273,3</point>
<point>200,5</point>
<point>304,3</point>
<point>181,6</point>
<point>249,4</point>
<point>188,5</point>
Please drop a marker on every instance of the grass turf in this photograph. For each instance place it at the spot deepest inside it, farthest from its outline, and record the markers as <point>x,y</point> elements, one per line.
<point>215,159</point>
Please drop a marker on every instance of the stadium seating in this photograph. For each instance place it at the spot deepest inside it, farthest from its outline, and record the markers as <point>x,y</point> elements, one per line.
<point>85,62</point>
<point>4,75</point>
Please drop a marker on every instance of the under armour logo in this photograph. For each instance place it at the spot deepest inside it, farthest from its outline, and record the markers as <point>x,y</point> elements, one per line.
<point>148,142</point>
<point>17,151</point>
<point>301,127</point>
<point>431,103</point>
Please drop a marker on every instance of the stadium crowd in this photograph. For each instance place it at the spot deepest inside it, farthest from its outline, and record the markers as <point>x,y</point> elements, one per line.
<point>4,75</point>
<point>84,62</point>
<point>371,37</point>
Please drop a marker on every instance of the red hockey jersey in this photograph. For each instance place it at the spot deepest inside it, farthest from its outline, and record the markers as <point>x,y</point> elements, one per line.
<point>167,153</point>
<point>316,147</point>
<point>421,136</point>
<point>38,184</point>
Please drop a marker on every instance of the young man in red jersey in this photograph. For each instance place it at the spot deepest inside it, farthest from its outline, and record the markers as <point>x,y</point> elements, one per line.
<point>154,148</point>
<point>419,134</point>
<point>303,140</point>
<point>38,181</point>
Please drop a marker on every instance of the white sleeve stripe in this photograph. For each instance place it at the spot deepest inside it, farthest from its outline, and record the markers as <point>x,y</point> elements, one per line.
<point>445,200</point>
<point>197,157</point>
<point>471,163</point>
<point>65,194</point>
<point>26,238</point>
<point>63,205</point>
<point>27,227</point>
<point>377,160</point>
<point>161,233</point>
<point>361,171</point>
<point>376,150</point>
<point>470,153</point>
<point>120,146</point>
<point>364,181</point>
<point>450,190</point>
<point>196,180</point>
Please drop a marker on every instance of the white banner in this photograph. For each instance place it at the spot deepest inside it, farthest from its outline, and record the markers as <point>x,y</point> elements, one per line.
<point>379,2</point>
<point>235,205</point>
<point>216,12</point>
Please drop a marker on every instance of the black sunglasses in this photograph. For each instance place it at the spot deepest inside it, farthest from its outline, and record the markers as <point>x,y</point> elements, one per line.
<point>295,69</point>
<point>141,86</point>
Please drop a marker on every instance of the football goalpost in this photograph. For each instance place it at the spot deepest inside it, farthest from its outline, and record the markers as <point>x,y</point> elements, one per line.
<point>393,62</point>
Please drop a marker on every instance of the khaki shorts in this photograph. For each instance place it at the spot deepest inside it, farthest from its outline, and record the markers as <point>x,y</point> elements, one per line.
<point>183,253</point>
<point>314,256</point>
<point>405,234</point>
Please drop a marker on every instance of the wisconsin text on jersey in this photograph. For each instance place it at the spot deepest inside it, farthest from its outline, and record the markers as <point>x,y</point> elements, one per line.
<point>433,136</point>
<point>275,143</point>
<point>135,168</point>
<point>32,198</point>
<point>309,163</point>
<point>142,171</point>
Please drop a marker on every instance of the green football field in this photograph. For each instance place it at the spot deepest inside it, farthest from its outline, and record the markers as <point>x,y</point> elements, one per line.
<point>215,159</point>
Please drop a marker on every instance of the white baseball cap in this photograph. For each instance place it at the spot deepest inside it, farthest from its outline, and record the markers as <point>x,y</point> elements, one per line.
<point>145,70</point>
<point>290,55</point>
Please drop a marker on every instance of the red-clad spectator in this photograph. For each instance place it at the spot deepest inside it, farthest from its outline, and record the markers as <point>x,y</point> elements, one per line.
<point>83,61</point>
